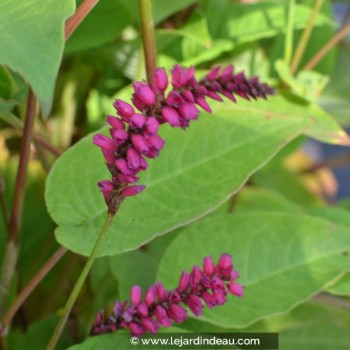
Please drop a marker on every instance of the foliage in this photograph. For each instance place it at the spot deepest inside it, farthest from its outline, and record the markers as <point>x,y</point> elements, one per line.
<point>237,181</point>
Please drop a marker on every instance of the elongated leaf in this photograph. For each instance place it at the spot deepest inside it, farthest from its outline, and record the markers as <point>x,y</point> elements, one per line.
<point>196,172</point>
<point>303,255</point>
<point>32,33</point>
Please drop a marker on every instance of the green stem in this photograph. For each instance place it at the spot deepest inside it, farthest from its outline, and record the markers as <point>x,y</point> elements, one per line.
<point>11,250</point>
<point>288,47</point>
<point>76,290</point>
<point>304,39</point>
<point>148,38</point>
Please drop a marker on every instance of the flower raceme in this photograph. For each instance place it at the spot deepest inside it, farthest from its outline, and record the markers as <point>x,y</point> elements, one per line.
<point>160,307</point>
<point>134,135</point>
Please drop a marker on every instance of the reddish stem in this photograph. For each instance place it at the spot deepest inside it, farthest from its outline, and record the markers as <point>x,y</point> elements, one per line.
<point>82,11</point>
<point>31,285</point>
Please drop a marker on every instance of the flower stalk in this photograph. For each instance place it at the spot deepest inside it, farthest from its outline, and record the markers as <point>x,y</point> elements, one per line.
<point>77,287</point>
<point>134,134</point>
<point>207,286</point>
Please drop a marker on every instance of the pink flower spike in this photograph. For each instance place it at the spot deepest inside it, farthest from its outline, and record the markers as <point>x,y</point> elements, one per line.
<point>163,294</point>
<point>115,123</point>
<point>225,262</point>
<point>213,73</point>
<point>177,313</point>
<point>122,166</point>
<point>229,95</point>
<point>189,111</point>
<point>151,125</point>
<point>195,304</point>
<point>142,310</point>
<point>208,266</point>
<point>188,96</point>
<point>150,324</point>
<point>227,72</point>
<point>105,186</point>
<point>119,136</point>
<point>171,116</point>
<point>183,283</point>
<point>203,103</point>
<point>123,109</point>
<point>151,295</point>
<point>135,295</point>
<point>178,76</point>
<point>145,94</point>
<point>140,144</point>
<point>160,79</point>
<point>108,155</point>
<point>104,142</point>
<point>235,289</point>
<point>214,96</point>
<point>156,141</point>
<point>128,179</point>
<point>134,158</point>
<point>135,329</point>
<point>132,190</point>
<point>137,121</point>
<point>162,316</point>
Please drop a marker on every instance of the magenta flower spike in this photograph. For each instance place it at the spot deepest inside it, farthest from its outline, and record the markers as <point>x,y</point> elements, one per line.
<point>134,136</point>
<point>161,307</point>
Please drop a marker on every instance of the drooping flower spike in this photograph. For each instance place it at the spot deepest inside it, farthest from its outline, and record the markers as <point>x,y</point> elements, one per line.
<point>134,135</point>
<point>207,286</point>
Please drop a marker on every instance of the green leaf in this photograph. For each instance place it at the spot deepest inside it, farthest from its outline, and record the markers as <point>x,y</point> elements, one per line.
<point>39,334</point>
<point>247,23</point>
<point>139,266</point>
<point>32,33</point>
<point>103,25</point>
<point>307,85</point>
<point>323,327</point>
<point>197,171</point>
<point>335,97</point>
<point>283,259</point>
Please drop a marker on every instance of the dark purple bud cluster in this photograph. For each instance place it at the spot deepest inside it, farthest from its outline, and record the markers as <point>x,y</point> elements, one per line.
<point>161,307</point>
<point>134,135</point>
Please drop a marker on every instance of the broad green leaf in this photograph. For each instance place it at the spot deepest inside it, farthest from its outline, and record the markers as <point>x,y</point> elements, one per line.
<point>247,23</point>
<point>325,327</point>
<point>104,24</point>
<point>32,33</point>
<point>196,172</point>
<point>139,266</point>
<point>283,259</point>
<point>39,334</point>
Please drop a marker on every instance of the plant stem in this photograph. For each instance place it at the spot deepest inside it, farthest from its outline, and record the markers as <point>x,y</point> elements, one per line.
<point>82,11</point>
<point>11,250</point>
<point>326,48</point>
<point>304,39</point>
<point>75,292</point>
<point>288,46</point>
<point>31,285</point>
<point>148,38</point>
